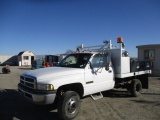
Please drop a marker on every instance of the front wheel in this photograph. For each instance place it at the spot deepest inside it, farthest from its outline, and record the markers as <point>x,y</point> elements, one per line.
<point>136,88</point>
<point>69,105</point>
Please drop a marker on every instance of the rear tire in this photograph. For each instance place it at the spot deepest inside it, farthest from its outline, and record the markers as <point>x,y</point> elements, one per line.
<point>136,88</point>
<point>69,105</point>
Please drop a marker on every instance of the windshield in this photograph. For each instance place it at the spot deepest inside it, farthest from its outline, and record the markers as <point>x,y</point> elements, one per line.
<point>78,60</point>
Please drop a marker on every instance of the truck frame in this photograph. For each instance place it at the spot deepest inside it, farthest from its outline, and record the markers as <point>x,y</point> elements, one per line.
<point>88,71</point>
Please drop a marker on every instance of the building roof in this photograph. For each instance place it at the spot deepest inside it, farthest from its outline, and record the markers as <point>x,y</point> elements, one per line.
<point>148,46</point>
<point>23,52</point>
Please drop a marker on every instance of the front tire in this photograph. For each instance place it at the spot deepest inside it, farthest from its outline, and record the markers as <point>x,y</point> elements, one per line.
<point>136,88</point>
<point>69,105</point>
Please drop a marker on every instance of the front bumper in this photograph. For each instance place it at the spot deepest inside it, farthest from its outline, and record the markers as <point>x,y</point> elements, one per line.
<point>36,96</point>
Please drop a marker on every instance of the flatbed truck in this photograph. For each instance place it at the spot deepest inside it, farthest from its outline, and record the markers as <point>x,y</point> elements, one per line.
<point>88,71</point>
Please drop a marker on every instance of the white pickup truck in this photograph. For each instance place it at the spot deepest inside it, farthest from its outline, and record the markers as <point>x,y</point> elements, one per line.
<point>88,71</point>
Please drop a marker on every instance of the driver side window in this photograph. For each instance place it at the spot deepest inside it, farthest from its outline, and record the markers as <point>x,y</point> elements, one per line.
<point>97,61</point>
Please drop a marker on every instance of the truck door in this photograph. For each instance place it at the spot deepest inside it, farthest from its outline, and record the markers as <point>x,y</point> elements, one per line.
<point>97,77</point>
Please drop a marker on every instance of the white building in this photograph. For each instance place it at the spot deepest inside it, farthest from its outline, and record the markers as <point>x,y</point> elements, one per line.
<point>152,53</point>
<point>25,58</point>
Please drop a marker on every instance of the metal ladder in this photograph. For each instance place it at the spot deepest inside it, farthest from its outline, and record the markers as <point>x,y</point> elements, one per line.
<point>98,48</point>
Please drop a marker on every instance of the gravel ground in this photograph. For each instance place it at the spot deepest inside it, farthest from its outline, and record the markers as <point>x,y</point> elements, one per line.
<point>115,105</point>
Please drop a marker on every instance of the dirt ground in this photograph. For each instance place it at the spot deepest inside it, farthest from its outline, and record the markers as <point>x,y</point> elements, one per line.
<point>115,105</point>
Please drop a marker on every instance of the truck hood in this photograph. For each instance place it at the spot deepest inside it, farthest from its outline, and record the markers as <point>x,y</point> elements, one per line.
<point>52,72</point>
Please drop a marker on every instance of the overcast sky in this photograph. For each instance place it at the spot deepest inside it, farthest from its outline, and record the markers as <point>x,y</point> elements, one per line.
<point>54,26</point>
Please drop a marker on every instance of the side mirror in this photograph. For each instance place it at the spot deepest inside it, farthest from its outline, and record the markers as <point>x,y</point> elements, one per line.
<point>107,67</point>
<point>107,60</point>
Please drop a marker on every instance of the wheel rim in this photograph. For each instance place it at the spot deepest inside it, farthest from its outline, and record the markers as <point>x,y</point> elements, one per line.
<point>71,106</point>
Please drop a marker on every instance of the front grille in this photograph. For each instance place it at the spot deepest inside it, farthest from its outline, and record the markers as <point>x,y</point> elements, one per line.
<point>28,81</point>
<point>25,94</point>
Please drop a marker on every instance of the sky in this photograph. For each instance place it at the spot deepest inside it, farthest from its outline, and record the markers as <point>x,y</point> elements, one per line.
<point>55,26</point>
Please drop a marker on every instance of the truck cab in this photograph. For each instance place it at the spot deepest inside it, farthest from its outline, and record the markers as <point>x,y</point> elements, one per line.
<point>95,73</point>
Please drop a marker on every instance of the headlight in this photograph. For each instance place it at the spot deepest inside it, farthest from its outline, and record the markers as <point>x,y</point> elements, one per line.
<point>45,87</point>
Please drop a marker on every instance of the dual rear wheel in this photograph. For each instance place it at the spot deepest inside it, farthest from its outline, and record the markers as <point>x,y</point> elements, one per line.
<point>135,88</point>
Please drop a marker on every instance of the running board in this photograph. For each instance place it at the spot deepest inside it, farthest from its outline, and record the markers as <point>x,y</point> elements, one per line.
<point>97,96</point>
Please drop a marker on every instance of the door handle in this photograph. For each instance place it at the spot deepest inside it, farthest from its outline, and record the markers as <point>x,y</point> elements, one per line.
<point>110,71</point>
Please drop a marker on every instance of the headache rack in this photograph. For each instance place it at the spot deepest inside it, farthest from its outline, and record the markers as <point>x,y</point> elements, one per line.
<point>99,48</point>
